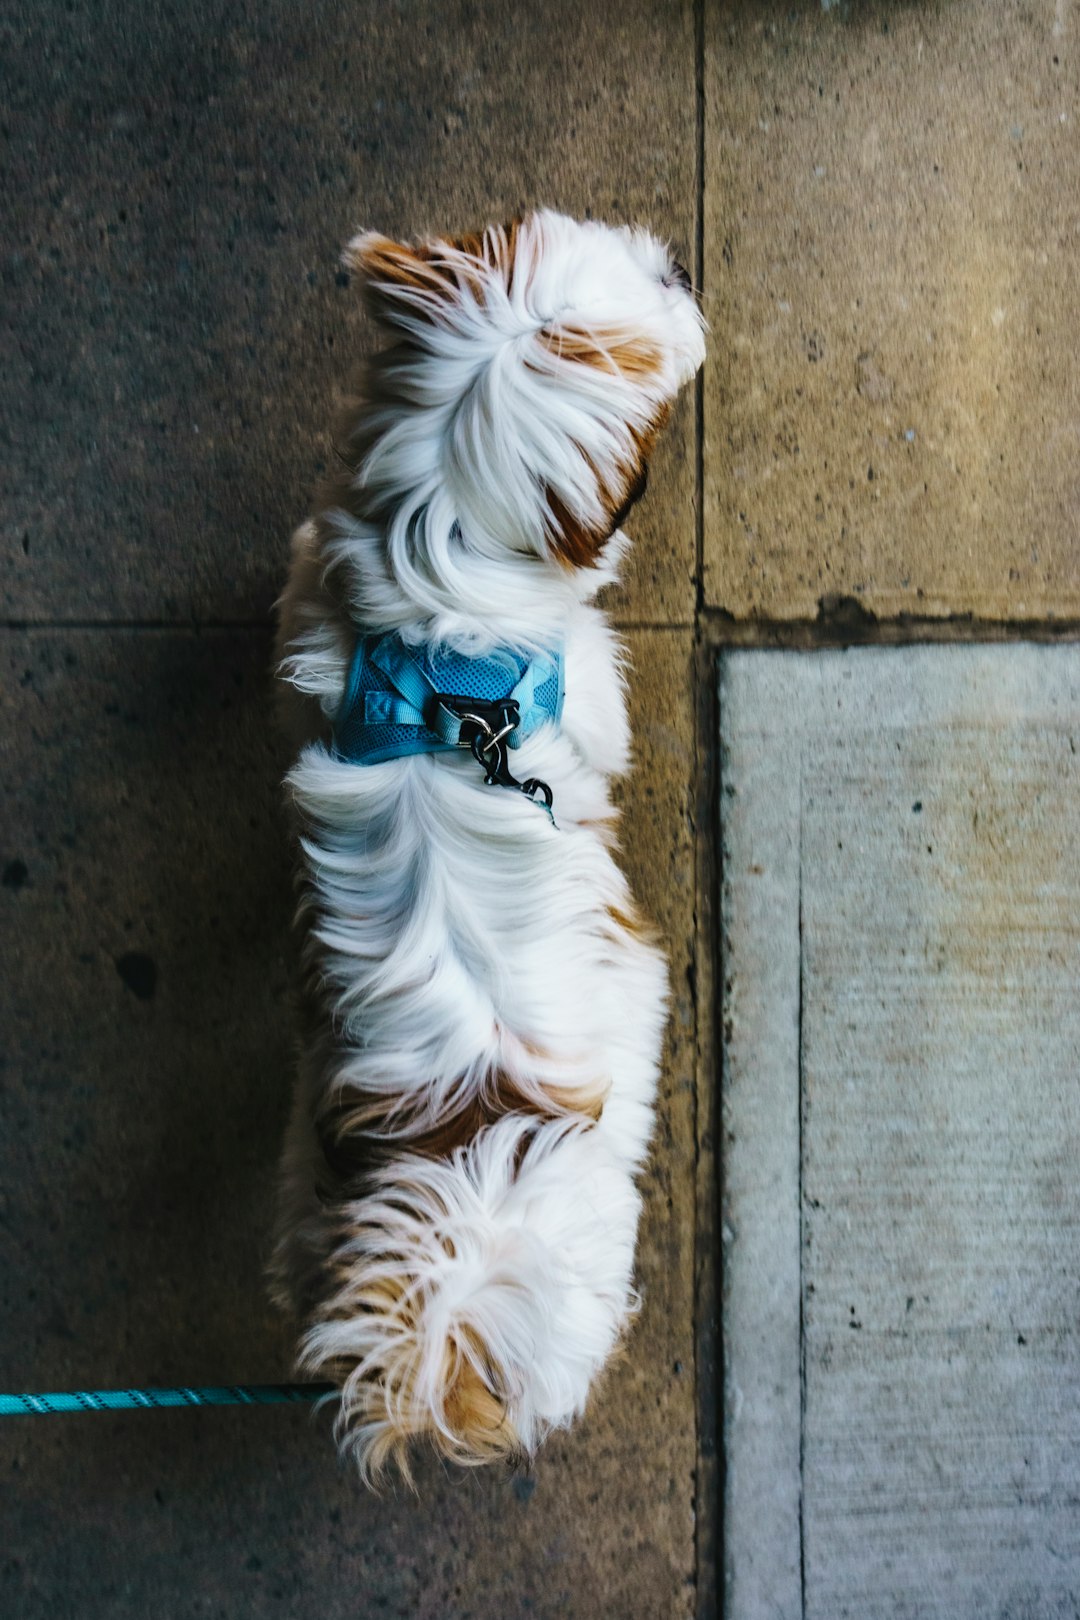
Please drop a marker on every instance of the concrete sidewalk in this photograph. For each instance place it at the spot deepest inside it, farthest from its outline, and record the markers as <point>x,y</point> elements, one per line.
<point>178,332</point>
<point>891,225</point>
<point>147,1064</point>
<point>901,1219</point>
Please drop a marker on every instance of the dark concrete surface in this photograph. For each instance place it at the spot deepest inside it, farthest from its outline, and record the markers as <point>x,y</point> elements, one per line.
<point>145,1073</point>
<point>180,184</point>
<point>177,184</point>
<point>179,181</point>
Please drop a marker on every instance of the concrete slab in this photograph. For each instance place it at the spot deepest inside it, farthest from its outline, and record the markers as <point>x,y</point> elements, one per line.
<point>178,186</point>
<point>146,1035</point>
<point>760,1176</point>
<point>145,1030</point>
<point>901,1127</point>
<point>891,274</point>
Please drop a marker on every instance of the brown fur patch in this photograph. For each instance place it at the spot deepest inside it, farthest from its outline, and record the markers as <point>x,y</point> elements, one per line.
<point>575,543</point>
<point>495,247</point>
<point>474,1411</point>
<point>477,1425</point>
<point>630,921</point>
<point>357,1135</point>
<point>618,354</point>
<point>435,270</point>
<point>390,268</point>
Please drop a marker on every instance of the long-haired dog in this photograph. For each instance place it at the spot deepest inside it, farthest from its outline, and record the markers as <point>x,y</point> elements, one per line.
<point>482,1010</point>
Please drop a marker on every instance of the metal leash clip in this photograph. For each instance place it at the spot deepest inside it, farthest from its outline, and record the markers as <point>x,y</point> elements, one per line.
<point>484,730</point>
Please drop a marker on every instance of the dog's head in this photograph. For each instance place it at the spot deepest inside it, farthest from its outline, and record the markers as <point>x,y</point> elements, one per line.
<point>529,371</point>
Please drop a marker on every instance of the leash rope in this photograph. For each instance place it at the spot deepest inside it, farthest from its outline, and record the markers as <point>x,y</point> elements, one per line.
<point>125,1400</point>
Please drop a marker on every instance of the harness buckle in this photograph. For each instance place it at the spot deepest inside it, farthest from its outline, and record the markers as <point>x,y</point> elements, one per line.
<point>488,721</point>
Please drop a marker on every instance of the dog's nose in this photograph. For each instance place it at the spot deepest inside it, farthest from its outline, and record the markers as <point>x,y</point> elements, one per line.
<point>681,276</point>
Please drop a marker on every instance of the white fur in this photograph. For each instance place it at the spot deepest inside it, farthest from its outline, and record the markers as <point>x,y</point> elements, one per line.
<point>453,934</point>
<point>539,1276</point>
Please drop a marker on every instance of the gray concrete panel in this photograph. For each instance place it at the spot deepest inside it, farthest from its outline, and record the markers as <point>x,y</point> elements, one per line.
<point>938,1078</point>
<point>759,917</point>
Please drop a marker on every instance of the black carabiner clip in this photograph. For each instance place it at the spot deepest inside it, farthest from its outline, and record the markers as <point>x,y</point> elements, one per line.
<point>490,753</point>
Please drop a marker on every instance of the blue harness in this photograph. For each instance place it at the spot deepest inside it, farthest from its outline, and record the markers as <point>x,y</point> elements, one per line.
<point>401,699</point>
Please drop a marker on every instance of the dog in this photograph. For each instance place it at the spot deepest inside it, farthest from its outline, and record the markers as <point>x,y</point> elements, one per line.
<point>482,1008</point>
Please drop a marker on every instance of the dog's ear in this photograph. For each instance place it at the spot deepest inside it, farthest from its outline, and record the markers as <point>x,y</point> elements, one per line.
<point>410,281</point>
<point>577,541</point>
<point>569,350</point>
<point>613,352</point>
<point>399,280</point>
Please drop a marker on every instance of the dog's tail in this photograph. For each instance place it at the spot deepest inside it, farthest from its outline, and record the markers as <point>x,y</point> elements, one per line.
<point>472,1300</point>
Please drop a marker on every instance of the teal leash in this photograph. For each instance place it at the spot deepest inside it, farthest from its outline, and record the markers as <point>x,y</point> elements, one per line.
<point>126,1400</point>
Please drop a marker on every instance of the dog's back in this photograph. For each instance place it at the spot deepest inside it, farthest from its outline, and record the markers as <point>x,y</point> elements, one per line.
<point>482,1010</point>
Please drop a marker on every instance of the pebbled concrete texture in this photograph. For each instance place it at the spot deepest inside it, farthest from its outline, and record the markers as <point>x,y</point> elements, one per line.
<point>179,183</point>
<point>892,412</point>
<point>145,1073</point>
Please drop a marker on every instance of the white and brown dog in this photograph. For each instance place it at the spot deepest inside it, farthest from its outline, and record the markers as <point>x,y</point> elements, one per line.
<point>483,1012</point>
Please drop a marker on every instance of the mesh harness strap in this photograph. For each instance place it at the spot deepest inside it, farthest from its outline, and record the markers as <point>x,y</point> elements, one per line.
<point>401,699</point>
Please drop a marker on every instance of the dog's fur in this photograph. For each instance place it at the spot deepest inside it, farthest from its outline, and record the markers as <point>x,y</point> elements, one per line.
<point>483,1012</point>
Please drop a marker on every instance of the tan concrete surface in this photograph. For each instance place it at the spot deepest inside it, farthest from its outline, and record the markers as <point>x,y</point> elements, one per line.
<point>892,275</point>
<point>178,186</point>
<point>145,1042</point>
